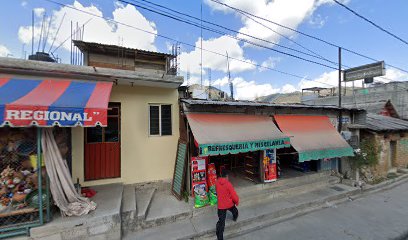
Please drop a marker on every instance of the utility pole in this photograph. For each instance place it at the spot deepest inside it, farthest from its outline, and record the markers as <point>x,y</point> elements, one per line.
<point>339,124</point>
<point>201,43</point>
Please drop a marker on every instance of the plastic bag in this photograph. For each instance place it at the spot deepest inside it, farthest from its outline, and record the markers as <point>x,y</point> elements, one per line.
<point>213,197</point>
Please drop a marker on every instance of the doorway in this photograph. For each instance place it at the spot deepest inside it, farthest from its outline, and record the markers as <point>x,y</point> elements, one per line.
<point>393,154</point>
<point>102,148</point>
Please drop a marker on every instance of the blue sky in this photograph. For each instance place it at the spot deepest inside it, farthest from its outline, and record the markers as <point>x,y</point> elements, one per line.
<point>320,18</point>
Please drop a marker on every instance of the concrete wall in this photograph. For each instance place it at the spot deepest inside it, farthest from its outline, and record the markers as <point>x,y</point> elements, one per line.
<point>143,158</point>
<point>397,92</point>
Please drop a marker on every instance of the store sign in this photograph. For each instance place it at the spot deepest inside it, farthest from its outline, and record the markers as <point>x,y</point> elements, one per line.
<point>46,115</point>
<point>238,147</point>
<point>18,116</point>
<point>366,71</point>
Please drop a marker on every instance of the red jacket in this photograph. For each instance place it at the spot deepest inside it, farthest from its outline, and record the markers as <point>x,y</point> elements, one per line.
<point>226,195</point>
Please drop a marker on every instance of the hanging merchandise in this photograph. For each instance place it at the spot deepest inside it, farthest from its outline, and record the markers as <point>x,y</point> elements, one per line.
<point>212,178</point>
<point>199,181</point>
<point>212,175</point>
<point>269,162</point>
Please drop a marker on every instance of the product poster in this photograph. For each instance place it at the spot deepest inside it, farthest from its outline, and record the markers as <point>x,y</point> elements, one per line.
<point>198,174</point>
<point>269,162</point>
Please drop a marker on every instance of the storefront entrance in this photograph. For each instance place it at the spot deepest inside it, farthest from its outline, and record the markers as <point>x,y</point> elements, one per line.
<point>288,165</point>
<point>102,148</point>
<point>243,166</point>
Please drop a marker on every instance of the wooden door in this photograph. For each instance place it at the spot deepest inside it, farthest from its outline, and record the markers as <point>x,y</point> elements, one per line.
<point>102,148</point>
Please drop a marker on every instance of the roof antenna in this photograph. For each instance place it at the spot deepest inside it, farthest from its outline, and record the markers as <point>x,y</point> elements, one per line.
<point>188,76</point>
<point>46,34</point>
<point>56,34</point>
<point>209,83</point>
<point>32,32</point>
<point>231,85</point>
<point>41,33</point>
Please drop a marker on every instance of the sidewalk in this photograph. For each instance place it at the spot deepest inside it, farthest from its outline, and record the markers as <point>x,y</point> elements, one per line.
<point>382,215</point>
<point>204,224</point>
<point>264,212</point>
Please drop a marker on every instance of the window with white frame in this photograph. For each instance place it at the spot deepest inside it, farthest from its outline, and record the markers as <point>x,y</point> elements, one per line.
<point>160,122</point>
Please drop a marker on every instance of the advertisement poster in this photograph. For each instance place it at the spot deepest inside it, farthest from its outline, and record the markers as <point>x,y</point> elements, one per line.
<point>199,181</point>
<point>269,162</point>
<point>198,175</point>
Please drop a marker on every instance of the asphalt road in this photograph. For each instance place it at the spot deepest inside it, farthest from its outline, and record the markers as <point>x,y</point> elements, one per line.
<point>382,215</point>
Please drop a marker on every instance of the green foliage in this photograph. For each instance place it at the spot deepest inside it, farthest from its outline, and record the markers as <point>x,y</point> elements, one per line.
<point>368,154</point>
<point>185,196</point>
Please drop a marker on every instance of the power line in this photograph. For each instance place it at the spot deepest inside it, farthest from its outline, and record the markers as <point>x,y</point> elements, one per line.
<point>371,22</point>
<point>187,44</point>
<point>307,35</point>
<point>229,29</point>
<point>282,35</point>
<point>230,36</point>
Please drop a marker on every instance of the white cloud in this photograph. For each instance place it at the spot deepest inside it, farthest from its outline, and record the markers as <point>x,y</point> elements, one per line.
<point>24,3</point>
<point>4,52</point>
<point>190,61</point>
<point>39,12</point>
<point>394,75</point>
<point>246,90</point>
<point>331,79</point>
<point>269,63</point>
<point>318,21</point>
<point>290,13</point>
<point>97,29</point>
<point>249,90</point>
<point>288,88</point>
<point>327,79</point>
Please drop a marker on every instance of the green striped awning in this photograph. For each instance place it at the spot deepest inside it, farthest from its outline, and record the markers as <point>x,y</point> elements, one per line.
<point>313,137</point>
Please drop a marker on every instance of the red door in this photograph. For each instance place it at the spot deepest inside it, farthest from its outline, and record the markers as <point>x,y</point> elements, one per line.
<point>102,148</point>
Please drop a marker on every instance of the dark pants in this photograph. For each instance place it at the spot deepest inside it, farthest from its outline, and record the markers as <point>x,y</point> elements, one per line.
<point>222,214</point>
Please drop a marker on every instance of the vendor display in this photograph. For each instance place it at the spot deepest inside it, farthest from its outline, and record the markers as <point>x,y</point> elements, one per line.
<point>199,181</point>
<point>212,178</point>
<point>269,166</point>
<point>18,170</point>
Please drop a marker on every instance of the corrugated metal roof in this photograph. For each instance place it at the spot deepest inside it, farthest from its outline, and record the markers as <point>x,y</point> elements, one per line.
<point>380,123</point>
<point>261,104</point>
<point>104,48</point>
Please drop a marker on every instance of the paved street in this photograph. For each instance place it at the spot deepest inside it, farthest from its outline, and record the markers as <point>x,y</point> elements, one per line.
<point>382,215</point>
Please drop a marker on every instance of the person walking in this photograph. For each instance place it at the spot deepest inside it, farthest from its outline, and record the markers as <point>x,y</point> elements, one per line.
<point>227,200</point>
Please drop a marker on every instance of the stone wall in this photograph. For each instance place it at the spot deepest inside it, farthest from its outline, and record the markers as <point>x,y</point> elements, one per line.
<point>386,162</point>
<point>402,152</point>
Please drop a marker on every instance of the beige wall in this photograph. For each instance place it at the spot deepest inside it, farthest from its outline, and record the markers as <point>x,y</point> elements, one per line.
<point>143,158</point>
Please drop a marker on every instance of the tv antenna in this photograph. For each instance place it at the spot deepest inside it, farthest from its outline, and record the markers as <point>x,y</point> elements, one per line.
<point>231,85</point>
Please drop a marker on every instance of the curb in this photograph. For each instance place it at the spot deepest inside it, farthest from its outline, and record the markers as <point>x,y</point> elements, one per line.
<point>261,221</point>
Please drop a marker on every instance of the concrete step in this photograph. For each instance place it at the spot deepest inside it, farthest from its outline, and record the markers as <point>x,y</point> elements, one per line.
<point>102,223</point>
<point>129,207</point>
<point>177,210</point>
<point>144,198</point>
<point>165,209</point>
